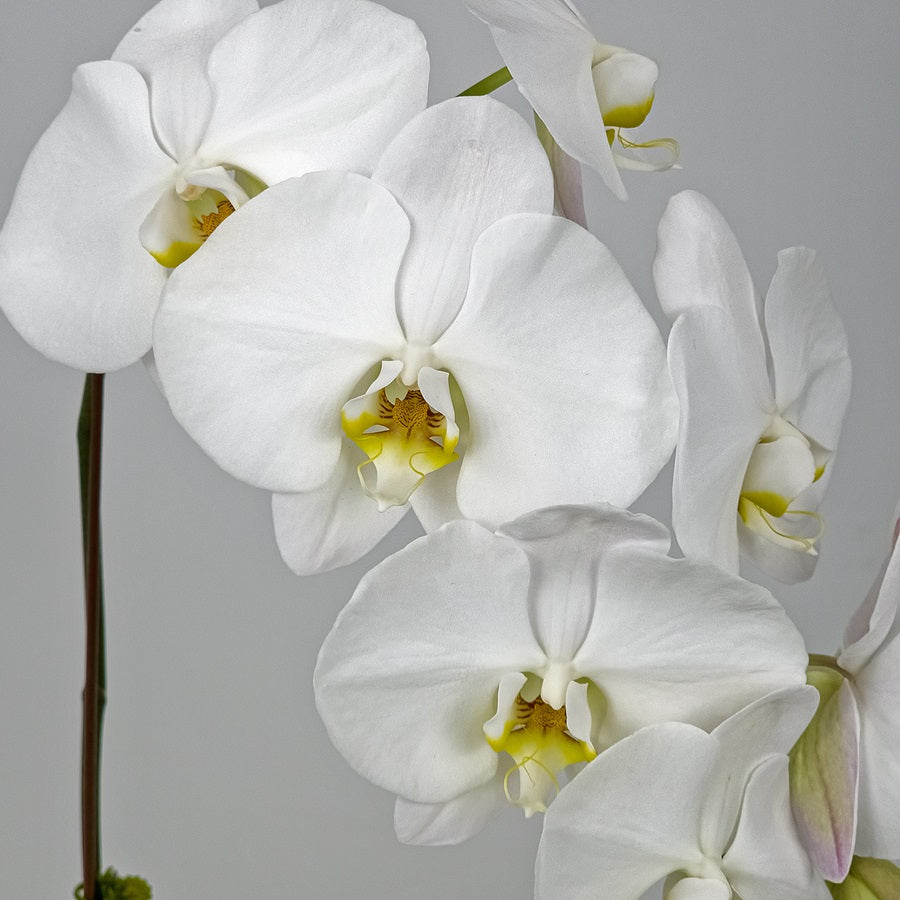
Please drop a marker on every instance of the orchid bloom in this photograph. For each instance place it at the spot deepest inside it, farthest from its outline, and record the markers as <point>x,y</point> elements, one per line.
<point>202,105</point>
<point>754,456</point>
<point>431,336</point>
<point>584,92</point>
<point>709,813</point>
<point>845,771</point>
<point>475,667</point>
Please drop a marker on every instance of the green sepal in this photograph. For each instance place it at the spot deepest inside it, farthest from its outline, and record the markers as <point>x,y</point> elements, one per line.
<point>114,886</point>
<point>868,879</point>
<point>824,775</point>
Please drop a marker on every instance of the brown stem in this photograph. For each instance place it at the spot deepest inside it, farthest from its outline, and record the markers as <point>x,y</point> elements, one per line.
<point>90,434</point>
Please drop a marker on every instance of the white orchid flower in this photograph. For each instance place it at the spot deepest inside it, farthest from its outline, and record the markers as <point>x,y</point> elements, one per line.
<point>754,456</point>
<point>709,813</point>
<point>431,336</point>
<point>202,105</point>
<point>585,92</point>
<point>845,771</point>
<point>474,667</point>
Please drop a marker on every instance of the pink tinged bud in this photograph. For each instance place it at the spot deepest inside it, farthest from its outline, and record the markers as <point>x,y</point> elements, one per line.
<point>824,776</point>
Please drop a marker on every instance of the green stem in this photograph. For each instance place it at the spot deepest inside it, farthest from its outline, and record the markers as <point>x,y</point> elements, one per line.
<point>488,85</point>
<point>90,436</point>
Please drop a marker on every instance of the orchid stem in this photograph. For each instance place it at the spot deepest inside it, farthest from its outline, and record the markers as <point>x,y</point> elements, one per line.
<point>488,85</point>
<point>90,436</point>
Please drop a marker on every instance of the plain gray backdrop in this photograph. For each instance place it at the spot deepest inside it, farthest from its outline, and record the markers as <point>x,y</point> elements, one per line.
<point>218,778</point>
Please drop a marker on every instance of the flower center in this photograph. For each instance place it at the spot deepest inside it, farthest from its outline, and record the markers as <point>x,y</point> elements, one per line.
<point>783,465</point>
<point>540,741</point>
<point>209,222</point>
<point>188,213</point>
<point>404,436</point>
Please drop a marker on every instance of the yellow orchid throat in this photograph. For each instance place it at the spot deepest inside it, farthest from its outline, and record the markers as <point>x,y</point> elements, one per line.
<point>536,735</point>
<point>192,213</point>
<point>404,439</point>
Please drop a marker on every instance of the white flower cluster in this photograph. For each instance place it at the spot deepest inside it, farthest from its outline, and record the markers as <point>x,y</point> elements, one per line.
<point>364,305</point>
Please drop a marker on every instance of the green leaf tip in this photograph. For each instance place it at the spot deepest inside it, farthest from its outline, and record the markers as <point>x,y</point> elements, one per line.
<point>114,886</point>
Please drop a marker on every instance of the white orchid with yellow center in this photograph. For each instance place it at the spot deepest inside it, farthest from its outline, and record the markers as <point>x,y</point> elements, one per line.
<point>754,455</point>
<point>585,92</point>
<point>474,667</point>
<point>201,106</point>
<point>430,335</point>
<point>709,814</point>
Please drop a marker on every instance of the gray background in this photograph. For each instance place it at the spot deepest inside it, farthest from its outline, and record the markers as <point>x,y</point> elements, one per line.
<point>219,781</point>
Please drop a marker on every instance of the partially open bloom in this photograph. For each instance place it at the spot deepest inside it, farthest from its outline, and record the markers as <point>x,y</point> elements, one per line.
<point>430,336</point>
<point>709,813</point>
<point>846,771</point>
<point>202,105</point>
<point>754,457</point>
<point>475,668</point>
<point>585,92</point>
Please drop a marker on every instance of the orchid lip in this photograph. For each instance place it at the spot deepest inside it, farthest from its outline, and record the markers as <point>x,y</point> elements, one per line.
<point>783,464</point>
<point>200,199</point>
<point>539,738</point>
<point>406,431</point>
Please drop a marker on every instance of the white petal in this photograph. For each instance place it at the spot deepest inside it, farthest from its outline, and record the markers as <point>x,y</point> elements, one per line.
<point>170,47</point>
<point>683,640</point>
<point>562,373</point>
<point>699,889</point>
<point>440,824</point>
<point>629,819</point>
<point>331,525</point>
<point>567,182</point>
<point>456,169</point>
<point>770,725</point>
<point>265,335</point>
<point>766,860</point>
<point>409,674</point>
<point>564,545</point>
<point>77,284</point>
<point>699,263</point>
<point>726,404</point>
<point>872,623</point>
<point>550,52</point>
<point>809,347</point>
<point>878,695</point>
<point>314,84</point>
<point>434,501</point>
